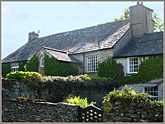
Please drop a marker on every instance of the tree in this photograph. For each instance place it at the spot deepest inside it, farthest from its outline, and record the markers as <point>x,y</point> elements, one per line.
<point>125,15</point>
<point>158,24</point>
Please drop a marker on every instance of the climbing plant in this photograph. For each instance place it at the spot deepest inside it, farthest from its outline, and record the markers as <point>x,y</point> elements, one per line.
<point>32,64</point>
<point>149,69</point>
<point>53,67</point>
<point>6,68</point>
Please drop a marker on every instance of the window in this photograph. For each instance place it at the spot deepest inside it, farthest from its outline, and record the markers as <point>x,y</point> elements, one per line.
<point>133,65</point>
<point>42,62</point>
<point>152,91</point>
<point>92,64</point>
<point>14,68</point>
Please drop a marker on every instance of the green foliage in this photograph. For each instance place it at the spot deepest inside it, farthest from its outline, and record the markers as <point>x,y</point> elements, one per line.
<point>59,87</point>
<point>21,66</point>
<point>30,79</point>
<point>32,64</point>
<point>85,77</point>
<point>158,103</point>
<point>158,24</point>
<point>149,69</point>
<point>88,77</point>
<point>6,68</point>
<point>125,96</point>
<point>79,101</point>
<point>54,67</point>
<point>126,15</point>
<point>24,76</point>
<point>110,69</point>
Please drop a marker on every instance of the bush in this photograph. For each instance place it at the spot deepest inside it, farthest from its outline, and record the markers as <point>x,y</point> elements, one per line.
<point>24,76</point>
<point>32,64</point>
<point>54,67</point>
<point>125,96</point>
<point>6,68</point>
<point>82,102</point>
<point>110,69</point>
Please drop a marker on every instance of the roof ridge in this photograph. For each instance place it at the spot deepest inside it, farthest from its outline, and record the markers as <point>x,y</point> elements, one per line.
<point>57,50</point>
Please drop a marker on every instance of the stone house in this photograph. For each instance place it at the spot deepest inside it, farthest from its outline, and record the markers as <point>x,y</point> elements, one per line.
<point>127,41</point>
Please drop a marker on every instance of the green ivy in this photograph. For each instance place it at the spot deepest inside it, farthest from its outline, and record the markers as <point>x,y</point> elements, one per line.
<point>6,68</point>
<point>149,69</point>
<point>21,66</point>
<point>53,67</point>
<point>110,69</point>
<point>32,64</point>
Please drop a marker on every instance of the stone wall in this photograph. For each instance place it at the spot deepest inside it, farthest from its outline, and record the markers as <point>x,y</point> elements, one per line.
<point>135,112</point>
<point>28,111</point>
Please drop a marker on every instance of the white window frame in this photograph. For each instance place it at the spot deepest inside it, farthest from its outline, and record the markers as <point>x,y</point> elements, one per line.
<point>128,65</point>
<point>42,61</point>
<point>151,90</point>
<point>14,68</point>
<point>92,64</point>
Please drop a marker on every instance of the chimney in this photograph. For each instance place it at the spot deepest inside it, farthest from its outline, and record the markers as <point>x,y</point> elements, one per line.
<point>141,20</point>
<point>32,36</point>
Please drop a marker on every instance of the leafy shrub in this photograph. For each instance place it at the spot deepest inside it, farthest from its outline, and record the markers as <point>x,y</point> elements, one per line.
<point>54,67</point>
<point>110,69</point>
<point>24,76</point>
<point>125,96</point>
<point>149,69</point>
<point>79,101</point>
<point>32,64</point>
<point>6,68</point>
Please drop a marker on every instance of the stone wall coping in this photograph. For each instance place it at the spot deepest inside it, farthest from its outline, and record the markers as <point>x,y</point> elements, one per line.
<point>64,103</point>
<point>49,103</point>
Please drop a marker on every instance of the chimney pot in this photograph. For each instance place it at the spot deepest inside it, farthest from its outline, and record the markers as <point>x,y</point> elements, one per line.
<point>32,36</point>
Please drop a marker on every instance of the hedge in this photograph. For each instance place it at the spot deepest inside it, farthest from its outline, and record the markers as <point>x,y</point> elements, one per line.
<point>111,69</point>
<point>32,64</point>
<point>53,67</point>
<point>59,87</point>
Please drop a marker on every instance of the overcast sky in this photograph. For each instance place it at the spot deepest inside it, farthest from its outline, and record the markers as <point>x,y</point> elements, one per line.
<point>20,18</point>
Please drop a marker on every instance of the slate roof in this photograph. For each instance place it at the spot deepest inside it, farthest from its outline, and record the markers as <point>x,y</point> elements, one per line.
<point>76,41</point>
<point>149,44</point>
<point>60,55</point>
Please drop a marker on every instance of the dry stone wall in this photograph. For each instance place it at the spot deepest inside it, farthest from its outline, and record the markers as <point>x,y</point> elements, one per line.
<point>135,112</point>
<point>28,111</point>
